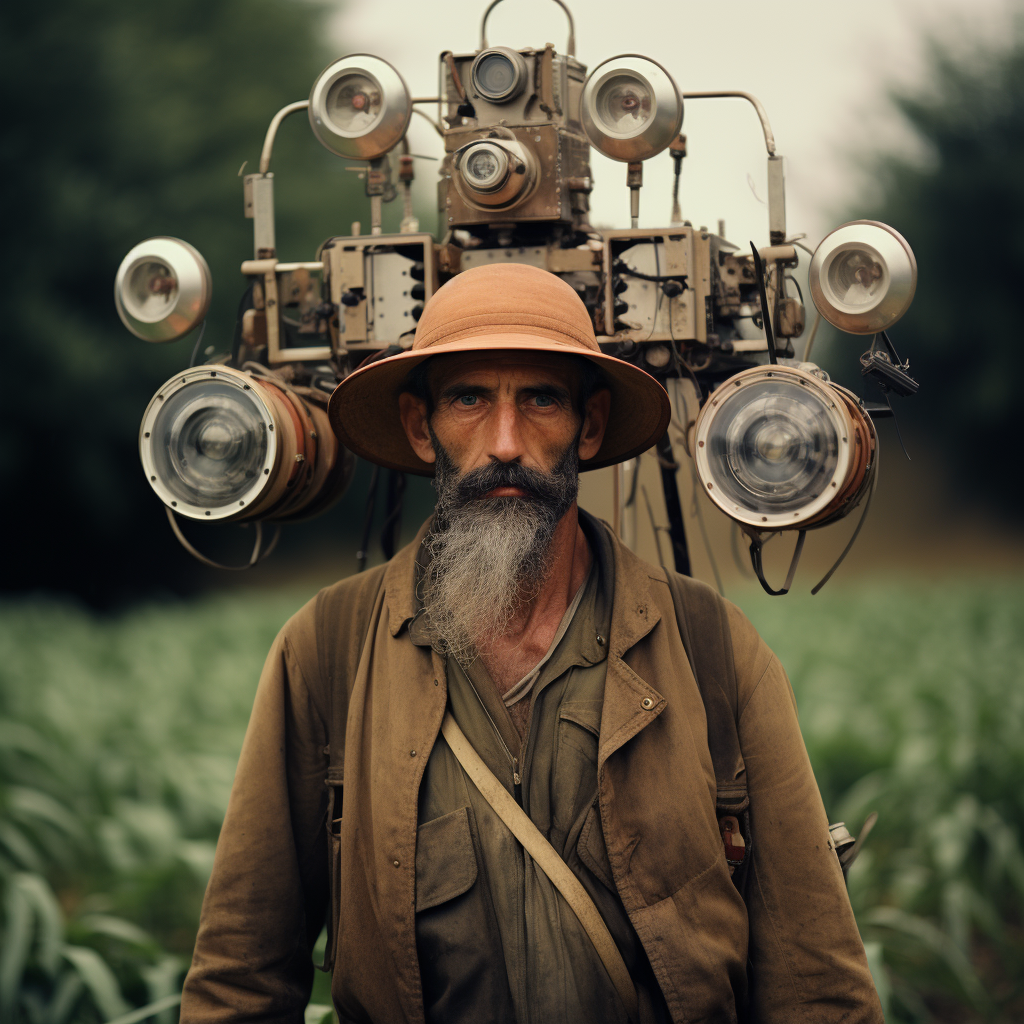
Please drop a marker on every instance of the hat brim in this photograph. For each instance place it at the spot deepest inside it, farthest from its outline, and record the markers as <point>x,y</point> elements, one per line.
<point>364,409</point>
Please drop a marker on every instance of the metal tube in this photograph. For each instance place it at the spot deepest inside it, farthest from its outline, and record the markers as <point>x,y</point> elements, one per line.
<point>570,46</point>
<point>769,138</point>
<point>776,200</point>
<point>275,123</point>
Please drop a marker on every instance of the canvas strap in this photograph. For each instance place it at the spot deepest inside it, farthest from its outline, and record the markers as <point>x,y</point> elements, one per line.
<point>547,859</point>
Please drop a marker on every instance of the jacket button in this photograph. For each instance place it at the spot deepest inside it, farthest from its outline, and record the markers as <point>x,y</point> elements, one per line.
<point>412,753</point>
<point>647,703</point>
<point>397,864</point>
<point>600,640</point>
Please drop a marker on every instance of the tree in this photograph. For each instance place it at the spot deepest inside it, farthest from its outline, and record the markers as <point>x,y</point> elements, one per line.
<point>959,201</point>
<point>124,121</point>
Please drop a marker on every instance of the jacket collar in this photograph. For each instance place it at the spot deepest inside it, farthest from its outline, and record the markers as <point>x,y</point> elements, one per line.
<point>400,579</point>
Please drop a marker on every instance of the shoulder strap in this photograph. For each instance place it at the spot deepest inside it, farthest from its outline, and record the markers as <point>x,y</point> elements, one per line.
<point>342,621</point>
<point>704,630</point>
<point>547,859</point>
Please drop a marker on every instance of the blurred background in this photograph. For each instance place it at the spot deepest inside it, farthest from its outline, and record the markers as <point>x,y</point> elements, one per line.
<point>127,669</point>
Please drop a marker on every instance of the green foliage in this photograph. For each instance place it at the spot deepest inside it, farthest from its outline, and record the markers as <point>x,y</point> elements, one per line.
<point>125,121</point>
<point>118,739</point>
<point>911,706</point>
<point>956,196</point>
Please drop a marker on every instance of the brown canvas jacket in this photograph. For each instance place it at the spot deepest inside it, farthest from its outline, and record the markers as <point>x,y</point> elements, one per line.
<point>270,887</point>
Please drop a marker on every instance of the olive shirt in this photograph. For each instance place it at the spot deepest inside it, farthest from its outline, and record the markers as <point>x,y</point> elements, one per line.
<point>347,698</point>
<point>497,942</point>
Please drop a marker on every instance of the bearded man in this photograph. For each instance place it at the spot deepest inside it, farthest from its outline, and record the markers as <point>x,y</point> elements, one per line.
<point>486,764</point>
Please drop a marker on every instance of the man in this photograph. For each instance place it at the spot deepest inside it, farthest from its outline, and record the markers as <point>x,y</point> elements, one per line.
<point>560,656</point>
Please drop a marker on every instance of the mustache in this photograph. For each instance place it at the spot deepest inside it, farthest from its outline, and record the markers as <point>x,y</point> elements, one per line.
<point>538,486</point>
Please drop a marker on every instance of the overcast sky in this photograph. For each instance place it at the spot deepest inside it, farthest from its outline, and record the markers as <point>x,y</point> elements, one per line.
<point>820,67</point>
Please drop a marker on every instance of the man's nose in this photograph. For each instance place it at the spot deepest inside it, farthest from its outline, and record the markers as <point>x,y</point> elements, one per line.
<point>505,440</point>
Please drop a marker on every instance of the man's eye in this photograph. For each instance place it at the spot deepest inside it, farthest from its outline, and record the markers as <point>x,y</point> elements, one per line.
<point>467,400</point>
<point>544,401</point>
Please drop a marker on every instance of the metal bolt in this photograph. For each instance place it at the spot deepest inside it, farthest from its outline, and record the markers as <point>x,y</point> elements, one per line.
<point>647,703</point>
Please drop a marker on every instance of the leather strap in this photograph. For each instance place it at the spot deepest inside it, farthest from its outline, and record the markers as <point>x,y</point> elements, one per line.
<point>546,858</point>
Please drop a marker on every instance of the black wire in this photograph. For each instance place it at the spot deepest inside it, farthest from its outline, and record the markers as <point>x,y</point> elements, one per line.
<point>800,291</point>
<point>371,499</point>
<point>657,305</point>
<point>392,524</point>
<point>624,269</point>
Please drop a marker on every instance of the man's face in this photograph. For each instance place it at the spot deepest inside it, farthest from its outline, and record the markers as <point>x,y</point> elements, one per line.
<point>503,407</point>
<point>506,437</point>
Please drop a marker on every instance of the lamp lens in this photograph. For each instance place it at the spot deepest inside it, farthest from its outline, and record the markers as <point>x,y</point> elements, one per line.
<point>150,291</point>
<point>773,447</point>
<point>485,167</point>
<point>210,443</point>
<point>354,103</point>
<point>623,105</point>
<point>857,278</point>
<point>495,75</point>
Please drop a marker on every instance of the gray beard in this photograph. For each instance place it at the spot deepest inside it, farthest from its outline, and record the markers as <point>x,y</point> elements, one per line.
<point>490,556</point>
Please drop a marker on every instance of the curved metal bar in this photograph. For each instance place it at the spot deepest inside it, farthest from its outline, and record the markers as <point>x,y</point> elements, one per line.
<point>769,138</point>
<point>268,142</point>
<point>433,124</point>
<point>570,45</point>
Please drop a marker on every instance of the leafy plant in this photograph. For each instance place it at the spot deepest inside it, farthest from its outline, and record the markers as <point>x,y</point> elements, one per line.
<point>119,736</point>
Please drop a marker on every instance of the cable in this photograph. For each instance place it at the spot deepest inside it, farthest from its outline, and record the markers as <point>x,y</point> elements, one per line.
<point>654,526</point>
<point>199,341</point>
<point>756,545</point>
<point>371,499</point>
<point>255,558</point>
<point>856,532</point>
<point>621,267</point>
<point>766,313</point>
<point>392,524</point>
<point>657,305</point>
<point>703,528</point>
<point>810,339</point>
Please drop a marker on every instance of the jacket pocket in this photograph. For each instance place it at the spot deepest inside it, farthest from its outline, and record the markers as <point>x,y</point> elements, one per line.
<point>574,772</point>
<point>457,939</point>
<point>445,859</point>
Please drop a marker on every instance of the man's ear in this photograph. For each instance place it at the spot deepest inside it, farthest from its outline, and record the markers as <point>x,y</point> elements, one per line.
<point>415,422</point>
<point>595,421</point>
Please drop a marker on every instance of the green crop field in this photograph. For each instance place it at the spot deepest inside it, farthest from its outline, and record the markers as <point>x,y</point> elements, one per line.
<point>118,739</point>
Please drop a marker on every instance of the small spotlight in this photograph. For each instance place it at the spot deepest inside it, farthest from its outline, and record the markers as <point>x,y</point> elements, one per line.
<point>162,289</point>
<point>863,277</point>
<point>359,107</point>
<point>492,174</point>
<point>217,443</point>
<point>499,74</point>
<point>631,108</point>
<point>778,448</point>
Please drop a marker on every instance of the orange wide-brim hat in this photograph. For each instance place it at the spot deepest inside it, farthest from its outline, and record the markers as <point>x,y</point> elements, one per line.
<point>498,307</point>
